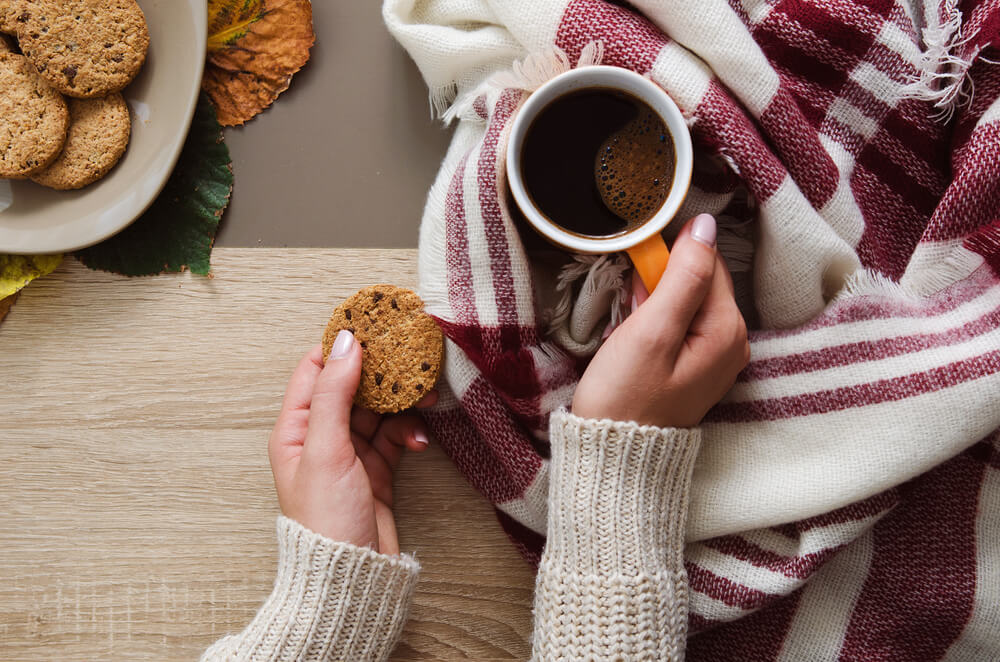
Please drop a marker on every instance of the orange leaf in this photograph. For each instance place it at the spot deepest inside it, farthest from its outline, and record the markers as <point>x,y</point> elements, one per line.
<point>5,305</point>
<point>254,48</point>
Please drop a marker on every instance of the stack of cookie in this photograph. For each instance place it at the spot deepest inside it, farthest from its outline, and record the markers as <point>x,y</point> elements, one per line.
<point>63,120</point>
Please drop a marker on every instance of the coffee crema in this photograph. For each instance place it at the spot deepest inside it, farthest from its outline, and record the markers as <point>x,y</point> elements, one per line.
<point>598,162</point>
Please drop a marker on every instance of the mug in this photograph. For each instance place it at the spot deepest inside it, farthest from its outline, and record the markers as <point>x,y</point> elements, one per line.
<point>643,243</point>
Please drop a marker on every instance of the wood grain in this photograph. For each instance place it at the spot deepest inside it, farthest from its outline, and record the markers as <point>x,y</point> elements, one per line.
<point>138,508</point>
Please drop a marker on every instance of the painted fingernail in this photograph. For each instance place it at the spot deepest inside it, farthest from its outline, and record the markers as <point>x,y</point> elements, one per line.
<point>635,303</point>
<point>342,345</point>
<point>421,437</point>
<point>703,229</point>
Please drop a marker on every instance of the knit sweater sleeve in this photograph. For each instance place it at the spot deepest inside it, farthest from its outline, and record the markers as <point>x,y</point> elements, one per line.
<point>611,584</point>
<point>331,601</point>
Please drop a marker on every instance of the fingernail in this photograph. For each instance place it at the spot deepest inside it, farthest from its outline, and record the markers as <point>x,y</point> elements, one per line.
<point>635,303</point>
<point>703,229</point>
<point>421,437</point>
<point>342,345</point>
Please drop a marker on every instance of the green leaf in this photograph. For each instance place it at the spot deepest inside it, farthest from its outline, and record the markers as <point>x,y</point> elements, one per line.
<point>178,230</point>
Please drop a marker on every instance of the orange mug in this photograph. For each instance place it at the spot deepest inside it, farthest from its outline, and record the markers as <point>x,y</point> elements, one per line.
<point>643,243</point>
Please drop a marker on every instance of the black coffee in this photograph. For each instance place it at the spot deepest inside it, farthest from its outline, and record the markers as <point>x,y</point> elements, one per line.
<point>597,161</point>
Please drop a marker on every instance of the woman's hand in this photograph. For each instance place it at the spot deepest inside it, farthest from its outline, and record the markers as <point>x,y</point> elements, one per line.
<point>679,351</point>
<point>333,462</point>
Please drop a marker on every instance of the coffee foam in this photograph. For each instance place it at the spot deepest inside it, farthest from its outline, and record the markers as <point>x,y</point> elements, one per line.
<point>634,167</point>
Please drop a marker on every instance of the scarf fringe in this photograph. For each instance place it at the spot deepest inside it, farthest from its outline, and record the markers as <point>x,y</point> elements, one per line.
<point>441,99</point>
<point>604,273</point>
<point>528,75</point>
<point>867,282</point>
<point>986,243</point>
<point>944,77</point>
<point>956,266</point>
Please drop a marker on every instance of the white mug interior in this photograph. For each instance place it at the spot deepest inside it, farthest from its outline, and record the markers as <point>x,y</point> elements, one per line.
<point>619,79</point>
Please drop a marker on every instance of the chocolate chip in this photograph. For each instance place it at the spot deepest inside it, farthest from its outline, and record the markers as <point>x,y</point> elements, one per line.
<point>420,387</point>
<point>347,313</point>
<point>364,345</point>
<point>377,297</point>
<point>395,387</point>
<point>118,58</point>
<point>24,18</point>
<point>425,366</point>
<point>395,306</point>
<point>70,73</point>
<point>378,378</point>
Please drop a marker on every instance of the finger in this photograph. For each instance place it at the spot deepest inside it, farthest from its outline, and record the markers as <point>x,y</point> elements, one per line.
<point>639,291</point>
<point>428,400</point>
<point>399,432</point>
<point>686,281</point>
<point>381,454</point>
<point>298,393</point>
<point>721,267</point>
<point>719,305</point>
<point>377,467</point>
<point>289,429</point>
<point>364,422</point>
<point>388,539</point>
<point>719,323</point>
<point>329,435</point>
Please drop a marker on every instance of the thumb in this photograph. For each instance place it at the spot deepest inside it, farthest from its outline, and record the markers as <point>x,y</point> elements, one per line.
<point>686,282</point>
<point>329,436</point>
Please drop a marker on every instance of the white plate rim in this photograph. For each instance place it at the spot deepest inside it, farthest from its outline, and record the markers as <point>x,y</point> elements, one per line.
<point>49,242</point>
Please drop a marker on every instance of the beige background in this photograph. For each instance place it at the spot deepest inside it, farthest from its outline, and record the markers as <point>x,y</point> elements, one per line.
<point>137,518</point>
<point>345,157</point>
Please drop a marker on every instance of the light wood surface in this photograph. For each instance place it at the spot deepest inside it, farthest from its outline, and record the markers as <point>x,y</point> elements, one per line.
<point>137,518</point>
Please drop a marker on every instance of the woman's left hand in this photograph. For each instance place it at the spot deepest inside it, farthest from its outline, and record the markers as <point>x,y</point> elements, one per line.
<point>332,461</point>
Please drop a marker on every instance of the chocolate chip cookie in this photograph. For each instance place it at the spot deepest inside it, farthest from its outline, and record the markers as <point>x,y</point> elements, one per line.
<point>8,11</point>
<point>402,346</point>
<point>33,119</point>
<point>83,48</point>
<point>98,135</point>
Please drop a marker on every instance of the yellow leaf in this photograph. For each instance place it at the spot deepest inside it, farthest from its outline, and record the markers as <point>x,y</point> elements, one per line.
<point>254,48</point>
<point>16,271</point>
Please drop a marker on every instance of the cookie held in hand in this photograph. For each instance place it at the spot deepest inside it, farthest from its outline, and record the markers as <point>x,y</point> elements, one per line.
<point>402,347</point>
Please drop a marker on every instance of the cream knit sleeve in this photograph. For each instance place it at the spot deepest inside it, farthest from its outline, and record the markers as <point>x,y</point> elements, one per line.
<point>611,584</point>
<point>331,601</point>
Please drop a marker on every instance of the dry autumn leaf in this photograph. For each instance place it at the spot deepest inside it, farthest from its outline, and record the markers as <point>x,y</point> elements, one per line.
<point>254,48</point>
<point>5,305</point>
<point>16,271</point>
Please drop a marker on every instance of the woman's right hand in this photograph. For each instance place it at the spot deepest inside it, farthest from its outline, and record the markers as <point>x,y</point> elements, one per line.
<point>681,348</point>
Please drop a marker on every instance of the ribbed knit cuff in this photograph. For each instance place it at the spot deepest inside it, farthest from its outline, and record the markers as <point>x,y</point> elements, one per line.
<point>621,494</point>
<point>331,601</point>
<point>611,583</point>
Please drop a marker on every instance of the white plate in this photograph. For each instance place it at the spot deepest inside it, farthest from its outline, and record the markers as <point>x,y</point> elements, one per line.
<point>162,99</point>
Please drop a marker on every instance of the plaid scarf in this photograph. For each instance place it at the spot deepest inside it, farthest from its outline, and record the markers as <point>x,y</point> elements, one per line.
<point>846,502</point>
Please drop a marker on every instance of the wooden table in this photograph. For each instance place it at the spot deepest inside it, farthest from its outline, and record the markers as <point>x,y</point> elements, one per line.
<point>138,508</point>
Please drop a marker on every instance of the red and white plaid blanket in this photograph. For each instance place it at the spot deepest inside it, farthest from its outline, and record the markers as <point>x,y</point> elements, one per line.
<point>846,504</point>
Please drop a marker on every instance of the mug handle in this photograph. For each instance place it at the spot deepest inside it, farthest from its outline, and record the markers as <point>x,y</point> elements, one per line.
<point>650,260</point>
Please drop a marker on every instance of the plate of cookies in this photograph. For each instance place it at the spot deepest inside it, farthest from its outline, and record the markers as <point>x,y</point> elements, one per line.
<point>96,99</point>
